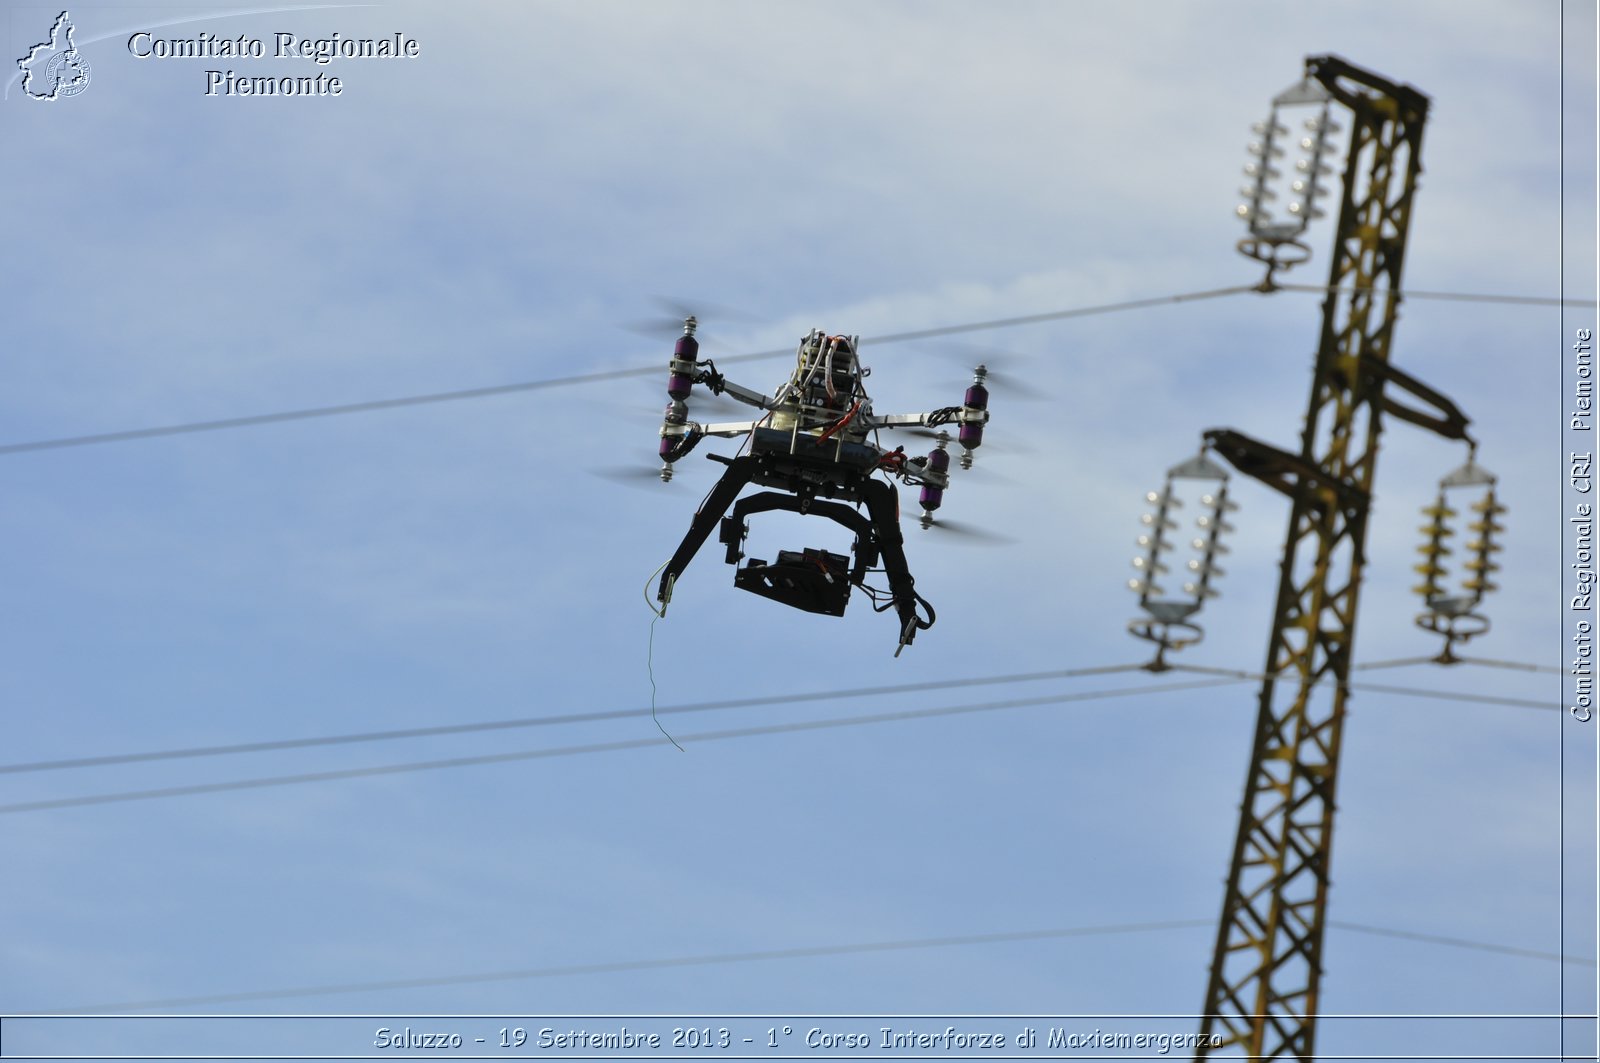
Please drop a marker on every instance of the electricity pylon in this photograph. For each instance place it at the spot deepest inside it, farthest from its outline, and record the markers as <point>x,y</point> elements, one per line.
<point>1262,997</point>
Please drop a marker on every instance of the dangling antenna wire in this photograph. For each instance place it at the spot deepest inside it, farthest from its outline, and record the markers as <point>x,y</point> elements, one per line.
<point>650,649</point>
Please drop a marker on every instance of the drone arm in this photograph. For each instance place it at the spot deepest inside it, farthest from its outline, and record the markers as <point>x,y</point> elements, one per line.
<point>726,429</point>
<point>900,420</point>
<point>705,518</point>
<point>745,395</point>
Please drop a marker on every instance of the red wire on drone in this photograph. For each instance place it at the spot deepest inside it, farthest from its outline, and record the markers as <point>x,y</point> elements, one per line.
<point>823,438</point>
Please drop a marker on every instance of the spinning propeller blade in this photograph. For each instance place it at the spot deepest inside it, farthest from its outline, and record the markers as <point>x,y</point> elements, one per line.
<point>669,323</point>
<point>1008,382</point>
<point>973,534</point>
<point>629,475</point>
<point>1004,447</point>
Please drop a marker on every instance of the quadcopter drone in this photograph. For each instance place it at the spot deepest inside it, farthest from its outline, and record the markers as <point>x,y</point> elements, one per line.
<point>811,443</point>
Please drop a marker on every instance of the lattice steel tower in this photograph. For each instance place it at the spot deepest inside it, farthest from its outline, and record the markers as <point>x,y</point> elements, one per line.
<point>1262,996</point>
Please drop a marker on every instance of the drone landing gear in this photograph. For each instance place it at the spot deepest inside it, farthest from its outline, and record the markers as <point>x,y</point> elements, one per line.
<point>812,580</point>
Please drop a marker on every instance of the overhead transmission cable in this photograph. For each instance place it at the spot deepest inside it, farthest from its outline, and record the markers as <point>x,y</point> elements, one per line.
<point>1223,677</point>
<point>599,747</point>
<point>570,970</point>
<point>1380,688</point>
<point>1459,297</point>
<point>600,376</point>
<point>561,718</point>
<point>1519,666</point>
<point>764,955</point>
<point>522,722</point>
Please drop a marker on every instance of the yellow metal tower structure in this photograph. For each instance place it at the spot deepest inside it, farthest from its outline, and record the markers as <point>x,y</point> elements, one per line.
<point>1261,1000</point>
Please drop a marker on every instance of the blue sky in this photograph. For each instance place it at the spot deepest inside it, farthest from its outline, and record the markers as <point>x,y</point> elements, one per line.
<point>493,211</point>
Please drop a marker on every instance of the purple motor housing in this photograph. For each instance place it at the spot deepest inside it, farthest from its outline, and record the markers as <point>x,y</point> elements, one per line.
<point>977,398</point>
<point>933,497</point>
<point>680,384</point>
<point>677,412</point>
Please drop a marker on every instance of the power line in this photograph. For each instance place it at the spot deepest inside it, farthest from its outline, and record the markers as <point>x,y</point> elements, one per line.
<point>1227,676</point>
<point>811,952</point>
<point>309,413</point>
<point>1398,662</point>
<point>542,721</point>
<point>1463,943</point>
<point>336,411</point>
<point>360,737</point>
<point>1453,695</point>
<point>1379,688</point>
<point>1459,297</point>
<point>1520,666</point>
<point>342,409</point>
<point>595,747</point>
<point>634,965</point>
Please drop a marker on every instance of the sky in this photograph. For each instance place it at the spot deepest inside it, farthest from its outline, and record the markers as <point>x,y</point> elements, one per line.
<point>498,209</point>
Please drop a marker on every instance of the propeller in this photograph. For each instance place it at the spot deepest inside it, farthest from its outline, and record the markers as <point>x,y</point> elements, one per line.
<point>971,533</point>
<point>673,311</point>
<point>1008,382</point>
<point>1005,447</point>
<point>629,475</point>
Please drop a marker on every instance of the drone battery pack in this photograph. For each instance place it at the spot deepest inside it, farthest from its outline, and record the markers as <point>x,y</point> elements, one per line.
<point>813,580</point>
